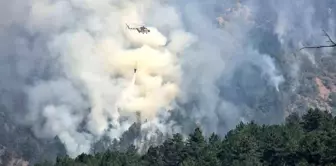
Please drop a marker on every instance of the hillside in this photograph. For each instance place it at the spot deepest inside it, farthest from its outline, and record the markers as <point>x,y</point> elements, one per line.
<point>302,141</point>
<point>83,77</point>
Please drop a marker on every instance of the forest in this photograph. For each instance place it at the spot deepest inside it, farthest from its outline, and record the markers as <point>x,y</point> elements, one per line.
<point>309,139</point>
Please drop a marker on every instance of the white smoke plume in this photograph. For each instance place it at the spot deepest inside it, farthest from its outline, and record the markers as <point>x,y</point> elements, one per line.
<point>97,55</point>
<point>74,60</point>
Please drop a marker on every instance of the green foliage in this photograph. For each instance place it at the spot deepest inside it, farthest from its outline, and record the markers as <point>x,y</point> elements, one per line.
<point>310,140</point>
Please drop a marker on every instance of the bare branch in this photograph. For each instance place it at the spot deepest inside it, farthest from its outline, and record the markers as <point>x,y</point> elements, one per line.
<point>329,38</point>
<point>333,44</point>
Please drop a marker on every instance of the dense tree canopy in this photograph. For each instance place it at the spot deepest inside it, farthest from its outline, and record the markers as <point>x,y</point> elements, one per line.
<point>306,140</point>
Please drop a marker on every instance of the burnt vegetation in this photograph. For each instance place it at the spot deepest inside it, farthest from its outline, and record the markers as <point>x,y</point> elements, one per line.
<point>306,140</point>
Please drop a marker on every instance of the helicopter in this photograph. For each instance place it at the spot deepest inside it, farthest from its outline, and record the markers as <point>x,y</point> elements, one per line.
<point>141,29</point>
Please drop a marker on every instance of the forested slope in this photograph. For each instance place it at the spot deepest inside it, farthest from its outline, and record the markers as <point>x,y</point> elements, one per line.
<point>306,140</point>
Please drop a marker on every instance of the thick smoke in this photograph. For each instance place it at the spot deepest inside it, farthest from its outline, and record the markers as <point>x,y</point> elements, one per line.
<point>97,56</point>
<point>239,73</point>
<point>74,62</point>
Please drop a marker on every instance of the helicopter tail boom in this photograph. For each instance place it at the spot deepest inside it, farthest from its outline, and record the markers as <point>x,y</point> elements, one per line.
<point>128,27</point>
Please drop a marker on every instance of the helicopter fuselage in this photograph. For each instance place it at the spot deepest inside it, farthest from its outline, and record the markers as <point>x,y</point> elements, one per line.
<point>142,30</point>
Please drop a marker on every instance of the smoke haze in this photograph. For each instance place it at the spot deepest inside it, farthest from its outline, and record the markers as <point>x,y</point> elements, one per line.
<point>67,66</point>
